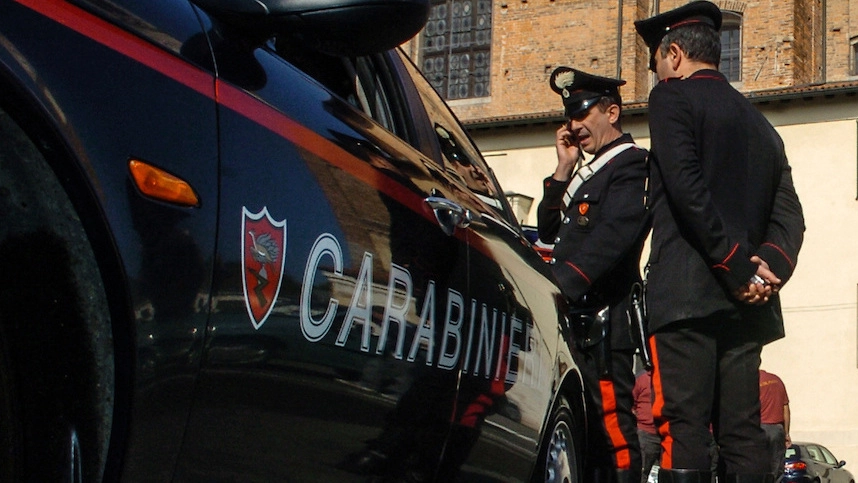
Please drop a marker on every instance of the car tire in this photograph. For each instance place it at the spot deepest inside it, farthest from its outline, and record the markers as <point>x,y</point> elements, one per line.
<point>560,457</point>
<point>56,350</point>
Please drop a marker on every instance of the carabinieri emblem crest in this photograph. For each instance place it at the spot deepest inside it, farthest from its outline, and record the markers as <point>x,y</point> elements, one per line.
<point>263,248</point>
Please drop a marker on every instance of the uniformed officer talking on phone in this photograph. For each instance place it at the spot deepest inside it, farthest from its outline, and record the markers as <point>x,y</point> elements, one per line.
<point>593,211</point>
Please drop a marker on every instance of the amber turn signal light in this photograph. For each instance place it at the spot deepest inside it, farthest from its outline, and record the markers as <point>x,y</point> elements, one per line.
<point>157,183</point>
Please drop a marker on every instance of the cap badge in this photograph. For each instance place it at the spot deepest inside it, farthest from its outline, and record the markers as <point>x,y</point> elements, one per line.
<point>564,79</point>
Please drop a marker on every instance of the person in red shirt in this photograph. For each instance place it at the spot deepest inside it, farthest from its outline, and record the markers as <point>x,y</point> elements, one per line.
<point>774,418</point>
<point>649,439</point>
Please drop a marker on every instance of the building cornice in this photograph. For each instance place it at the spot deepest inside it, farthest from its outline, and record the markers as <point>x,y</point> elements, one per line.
<point>785,94</point>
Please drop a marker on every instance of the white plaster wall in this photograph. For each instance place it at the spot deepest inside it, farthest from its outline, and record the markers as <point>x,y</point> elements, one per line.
<point>817,359</point>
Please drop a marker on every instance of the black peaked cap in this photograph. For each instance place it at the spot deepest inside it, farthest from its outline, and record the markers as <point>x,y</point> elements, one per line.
<point>581,90</point>
<point>653,29</point>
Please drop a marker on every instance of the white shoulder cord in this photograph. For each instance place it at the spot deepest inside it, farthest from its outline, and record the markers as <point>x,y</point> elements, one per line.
<point>587,171</point>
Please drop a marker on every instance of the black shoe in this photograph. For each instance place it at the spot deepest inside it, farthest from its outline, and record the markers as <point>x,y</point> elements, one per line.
<point>366,462</point>
<point>749,478</point>
<point>684,476</point>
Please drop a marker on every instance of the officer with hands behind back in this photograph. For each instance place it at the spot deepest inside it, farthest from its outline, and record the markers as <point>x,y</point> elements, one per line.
<point>727,228</point>
<point>594,213</point>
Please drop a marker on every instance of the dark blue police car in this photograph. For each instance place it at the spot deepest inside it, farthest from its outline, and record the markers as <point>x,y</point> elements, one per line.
<point>245,240</point>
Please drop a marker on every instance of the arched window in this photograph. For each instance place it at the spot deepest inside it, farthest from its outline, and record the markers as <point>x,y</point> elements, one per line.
<point>455,48</point>
<point>731,46</point>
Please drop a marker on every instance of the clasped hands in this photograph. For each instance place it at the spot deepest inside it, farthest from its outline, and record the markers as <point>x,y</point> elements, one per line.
<point>758,292</point>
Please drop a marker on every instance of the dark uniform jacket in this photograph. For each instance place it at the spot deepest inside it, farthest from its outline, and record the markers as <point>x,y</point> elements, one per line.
<point>599,237</point>
<point>722,191</point>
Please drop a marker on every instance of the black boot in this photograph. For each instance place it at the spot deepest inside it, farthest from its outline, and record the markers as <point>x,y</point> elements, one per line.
<point>600,475</point>
<point>607,475</point>
<point>749,478</point>
<point>625,476</point>
<point>684,476</point>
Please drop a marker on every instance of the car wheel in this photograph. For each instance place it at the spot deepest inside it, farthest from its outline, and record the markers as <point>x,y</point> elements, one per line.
<point>561,451</point>
<point>56,351</point>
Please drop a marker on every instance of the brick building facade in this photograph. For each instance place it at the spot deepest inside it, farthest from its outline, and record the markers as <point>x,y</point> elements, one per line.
<point>783,44</point>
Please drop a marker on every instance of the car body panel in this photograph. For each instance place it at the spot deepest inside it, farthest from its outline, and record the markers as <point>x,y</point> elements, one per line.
<point>313,305</point>
<point>160,95</point>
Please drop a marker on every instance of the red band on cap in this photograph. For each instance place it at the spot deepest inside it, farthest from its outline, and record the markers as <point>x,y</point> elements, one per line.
<point>684,22</point>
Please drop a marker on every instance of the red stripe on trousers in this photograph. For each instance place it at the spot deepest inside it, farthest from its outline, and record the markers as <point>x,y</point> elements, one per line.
<point>658,406</point>
<point>612,423</point>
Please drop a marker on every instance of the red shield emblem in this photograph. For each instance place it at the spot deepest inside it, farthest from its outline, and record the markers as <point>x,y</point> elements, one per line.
<point>263,248</point>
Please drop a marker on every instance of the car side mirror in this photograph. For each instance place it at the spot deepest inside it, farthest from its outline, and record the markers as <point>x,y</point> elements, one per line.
<point>841,464</point>
<point>336,27</point>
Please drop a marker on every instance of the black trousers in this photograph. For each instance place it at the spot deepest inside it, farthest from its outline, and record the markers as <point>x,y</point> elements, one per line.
<point>776,435</point>
<point>650,452</point>
<point>706,383</point>
<point>614,445</point>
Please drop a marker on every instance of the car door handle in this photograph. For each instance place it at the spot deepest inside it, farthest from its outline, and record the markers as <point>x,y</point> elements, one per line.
<point>449,214</point>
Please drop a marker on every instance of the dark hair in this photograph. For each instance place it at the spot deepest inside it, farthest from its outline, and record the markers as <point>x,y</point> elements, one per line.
<point>700,42</point>
<point>606,101</point>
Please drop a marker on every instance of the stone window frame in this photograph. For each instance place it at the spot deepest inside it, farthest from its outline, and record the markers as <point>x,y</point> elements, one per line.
<point>731,60</point>
<point>853,56</point>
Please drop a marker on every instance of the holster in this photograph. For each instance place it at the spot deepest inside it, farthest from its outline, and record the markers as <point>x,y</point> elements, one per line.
<point>638,323</point>
<point>592,328</point>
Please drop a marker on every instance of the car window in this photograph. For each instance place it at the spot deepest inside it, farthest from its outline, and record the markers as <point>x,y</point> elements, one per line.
<point>462,160</point>
<point>364,82</point>
<point>829,458</point>
<point>790,452</point>
<point>370,91</point>
<point>814,453</point>
<point>467,169</point>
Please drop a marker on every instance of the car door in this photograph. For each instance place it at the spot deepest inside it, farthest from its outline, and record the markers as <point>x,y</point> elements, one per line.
<point>123,81</point>
<point>333,277</point>
<point>507,344</point>
<point>833,469</point>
